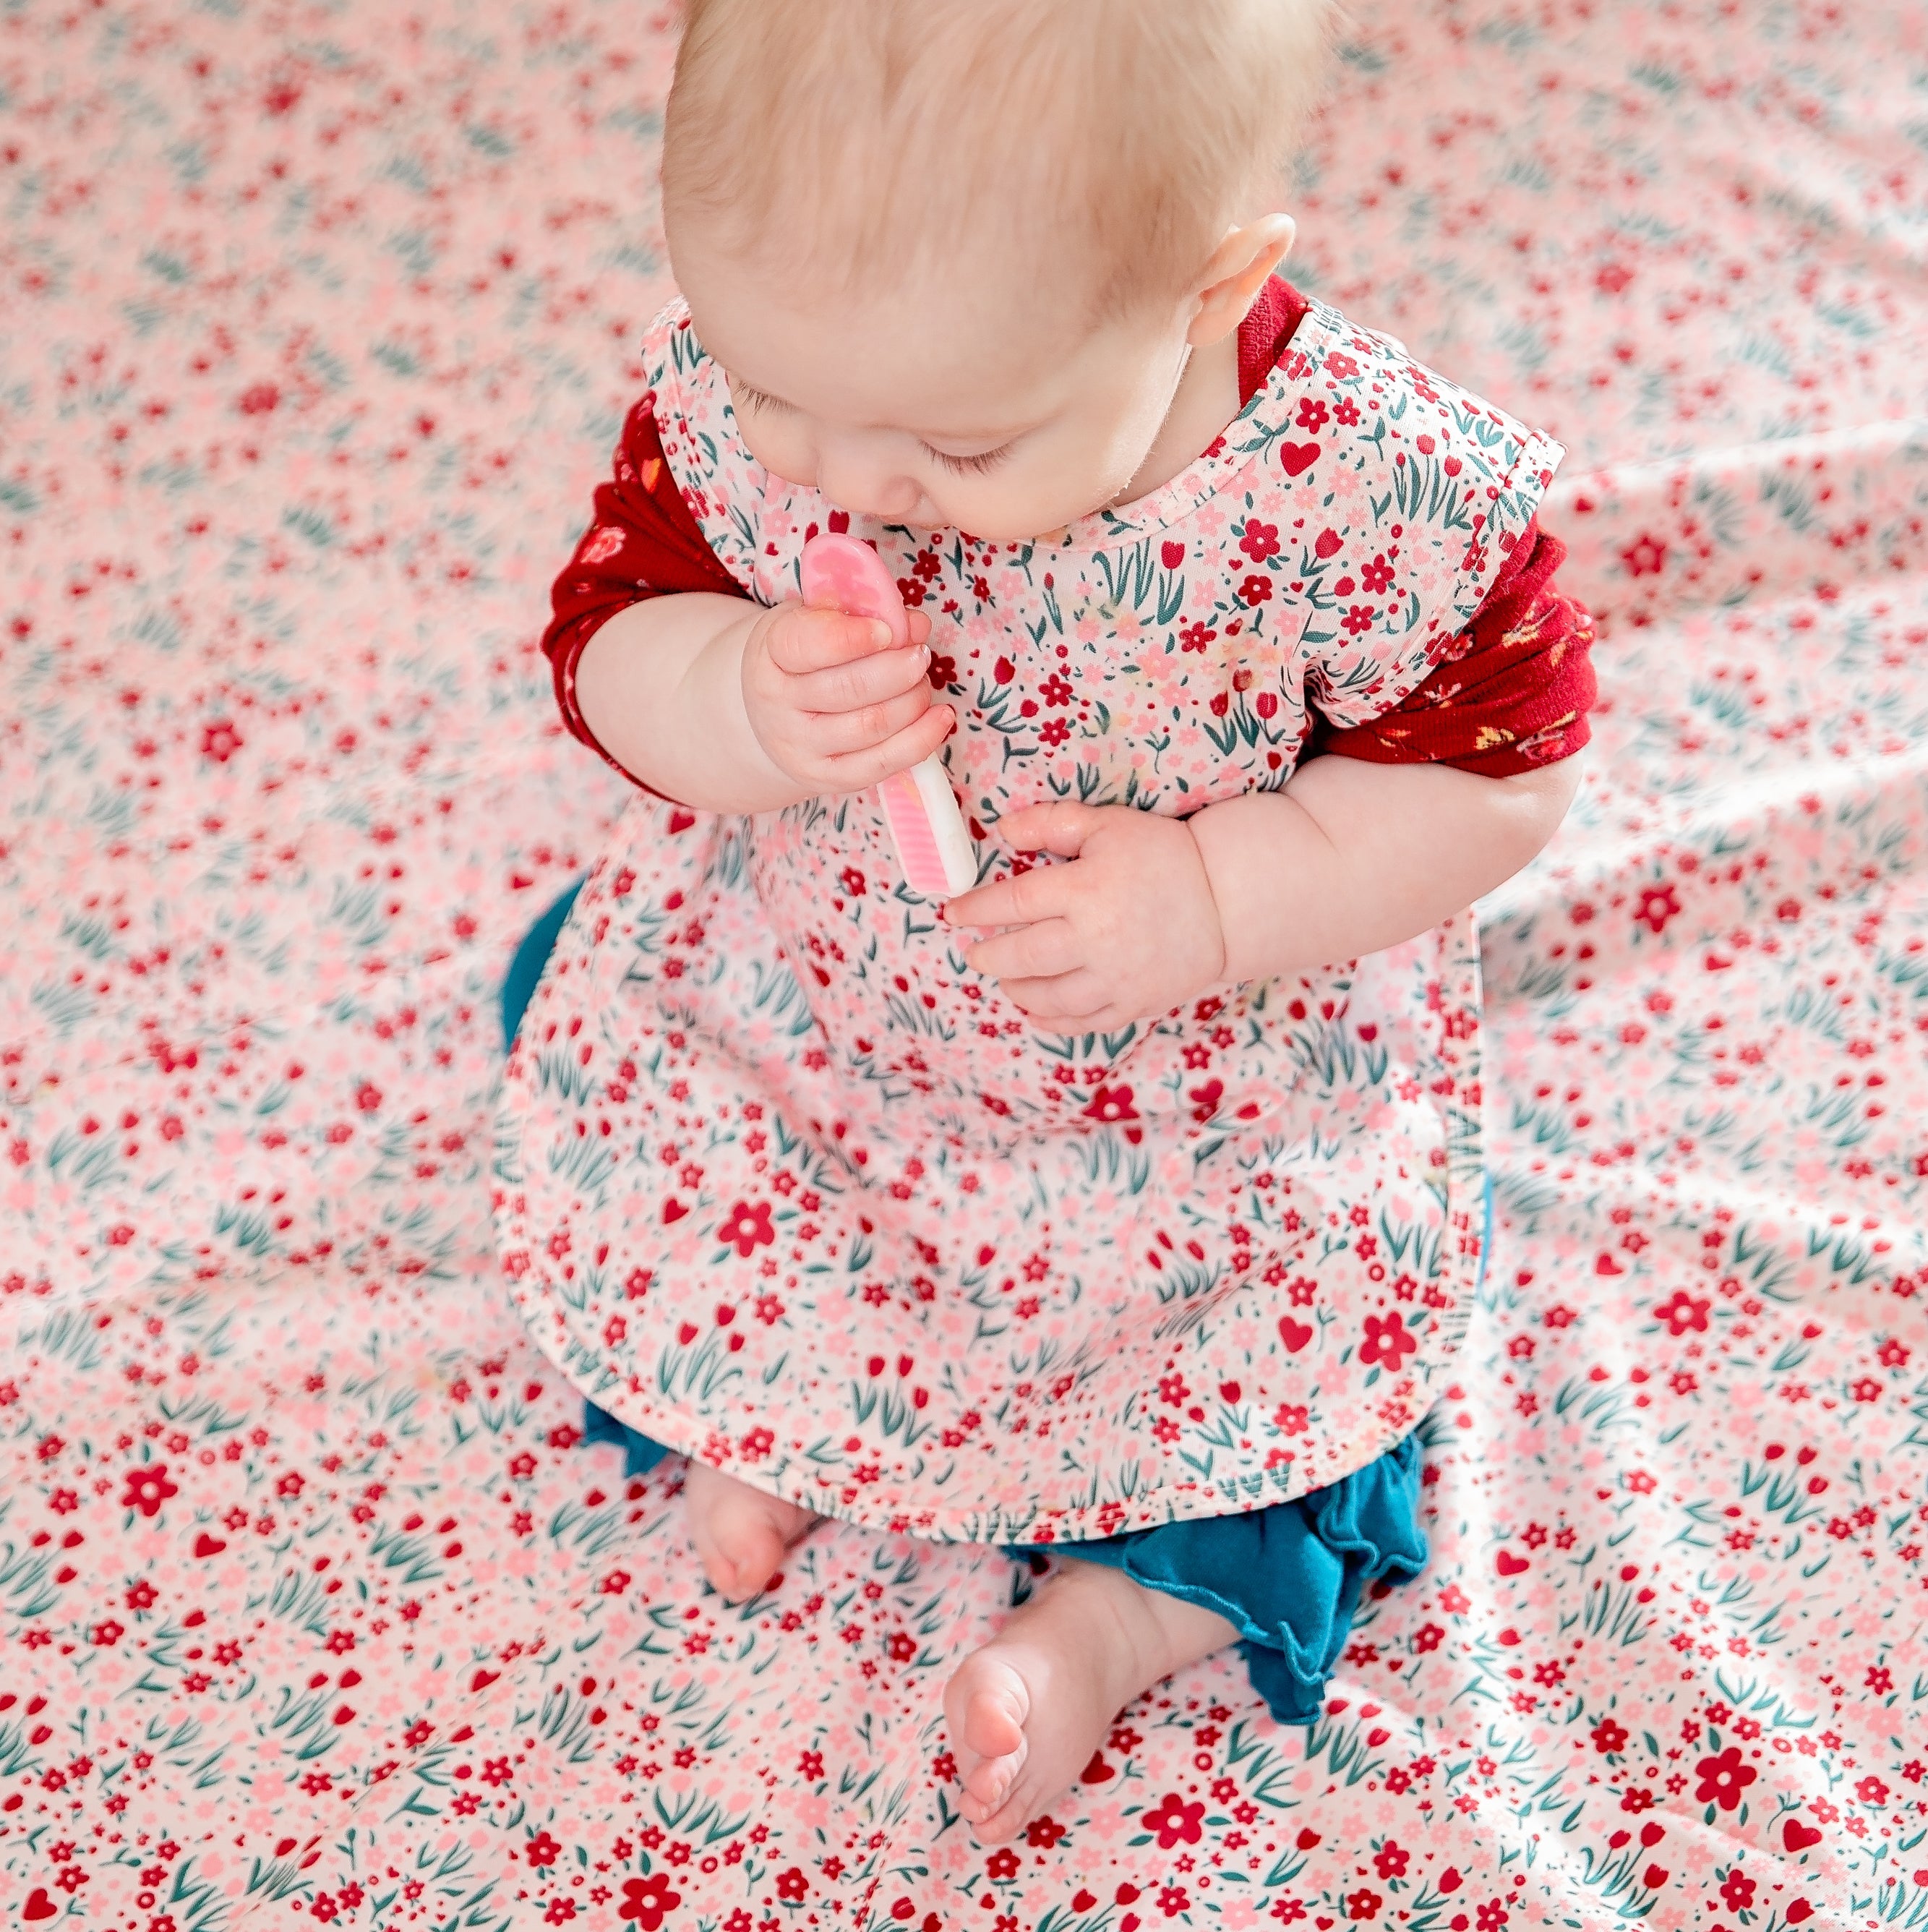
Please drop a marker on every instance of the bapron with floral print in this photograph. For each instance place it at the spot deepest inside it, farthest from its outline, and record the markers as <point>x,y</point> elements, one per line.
<point>1123,1210</point>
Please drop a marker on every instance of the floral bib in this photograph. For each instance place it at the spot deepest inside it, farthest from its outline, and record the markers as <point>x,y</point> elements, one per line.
<point>784,1184</point>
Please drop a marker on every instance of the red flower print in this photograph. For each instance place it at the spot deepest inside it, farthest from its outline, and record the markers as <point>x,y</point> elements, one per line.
<point>1256,589</point>
<point>1683,1313</point>
<point>1377,576</point>
<point>1609,1737</point>
<point>748,1227</point>
<point>1657,905</point>
<point>1110,1105</point>
<point>1002,1864</point>
<point>1312,414</point>
<point>792,1886</point>
<point>1737,1891</point>
<point>646,1902</point>
<point>1724,1778</point>
<point>1610,278</point>
<point>1645,556</point>
<point>1194,637</point>
<point>1175,1822</point>
<point>147,1488</point>
<point>1044,1833</point>
<point>142,1596</point>
<point>1260,541</point>
<point>1362,1904</point>
<point>1170,554</point>
<point>220,741</point>
<point>1387,1341</point>
<point>260,400</point>
<point>853,882</point>
<point>1359,617</point>
<point>1342,366</point>
<point>542,1850</point>
<point>108,1633</point>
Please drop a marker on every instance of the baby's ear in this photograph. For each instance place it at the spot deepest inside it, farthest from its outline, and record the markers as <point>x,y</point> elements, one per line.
<point>1240,266</point>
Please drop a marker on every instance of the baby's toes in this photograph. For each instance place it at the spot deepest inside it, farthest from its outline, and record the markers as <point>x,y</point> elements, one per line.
<point>740,1534</point>
<point>985,1704</point>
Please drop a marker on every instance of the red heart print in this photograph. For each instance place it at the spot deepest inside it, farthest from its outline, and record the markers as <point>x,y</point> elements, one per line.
<point>483,1679</point>
<point>681,820</point>
<point>39,1906</point>
<point>1096,1772</point>
<point>1294,458</point>
<point>1797,1836</point>
<point>1508,1565</point>
<point>1606,1265</point>
<point>206,1545</point>
<point>1294,1334</point>
<point>674,1210</point>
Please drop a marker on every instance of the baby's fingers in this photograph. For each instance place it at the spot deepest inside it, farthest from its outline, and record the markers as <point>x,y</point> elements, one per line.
<point>911,746</point>
<point>1046,949</point>
<point>800,640</point>
<point>872,680</point>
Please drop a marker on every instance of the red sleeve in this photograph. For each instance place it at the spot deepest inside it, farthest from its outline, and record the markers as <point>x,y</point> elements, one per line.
<point>1515,695</point>
<point>641,542</point>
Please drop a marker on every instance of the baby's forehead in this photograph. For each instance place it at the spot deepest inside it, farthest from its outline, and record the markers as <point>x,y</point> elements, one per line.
<point>1118,134</point>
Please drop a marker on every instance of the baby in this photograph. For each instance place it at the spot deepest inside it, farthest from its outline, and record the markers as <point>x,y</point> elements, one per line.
<point>1128,1205</point>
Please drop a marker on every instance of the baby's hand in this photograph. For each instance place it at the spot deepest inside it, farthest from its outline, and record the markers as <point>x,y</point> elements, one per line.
<point>1125,932</point>
<point>832,707</point>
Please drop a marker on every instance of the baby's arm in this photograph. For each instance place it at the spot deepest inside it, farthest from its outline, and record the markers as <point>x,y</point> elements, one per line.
<point>1350,856</point>
<point>730,707</point>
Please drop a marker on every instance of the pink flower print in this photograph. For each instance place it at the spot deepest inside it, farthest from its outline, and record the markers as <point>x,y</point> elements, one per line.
<point>1387,1340</point>
<point>1724,1778</point>
<point>1259,541</point>
<point>748,1226</point>
<point>1175,1822</point>
<point>1645,556</point>
<point>147,1489</point>
<point>1657,905</point>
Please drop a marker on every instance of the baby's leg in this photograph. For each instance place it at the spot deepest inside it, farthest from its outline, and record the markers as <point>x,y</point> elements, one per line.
<point>740,1533</point>
<point>1027,1711</point>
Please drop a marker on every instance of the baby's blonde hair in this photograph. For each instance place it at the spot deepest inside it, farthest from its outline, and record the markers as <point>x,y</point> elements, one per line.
<point>1110,140</point>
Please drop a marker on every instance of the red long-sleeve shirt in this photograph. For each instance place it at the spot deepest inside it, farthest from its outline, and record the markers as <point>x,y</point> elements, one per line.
<point>1512,695</point>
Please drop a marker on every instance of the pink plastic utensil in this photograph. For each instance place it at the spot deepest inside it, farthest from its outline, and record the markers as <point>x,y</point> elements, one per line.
<point>933,844</point>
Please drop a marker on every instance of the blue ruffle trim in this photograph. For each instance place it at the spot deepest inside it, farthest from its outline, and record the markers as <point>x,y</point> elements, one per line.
<point>1288,1578</point>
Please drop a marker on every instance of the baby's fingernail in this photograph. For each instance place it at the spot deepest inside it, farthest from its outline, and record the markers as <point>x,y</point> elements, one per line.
<point>923,654</point>
<point>879,632</point>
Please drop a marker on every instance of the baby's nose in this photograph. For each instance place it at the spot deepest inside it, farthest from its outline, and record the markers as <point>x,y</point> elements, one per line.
<point>860,476</point>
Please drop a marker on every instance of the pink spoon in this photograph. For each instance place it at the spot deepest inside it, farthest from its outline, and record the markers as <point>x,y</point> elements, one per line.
<point>933,844</point>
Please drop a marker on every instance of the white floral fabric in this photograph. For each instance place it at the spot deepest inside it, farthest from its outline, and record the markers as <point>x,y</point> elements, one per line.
<point>784,1184</point>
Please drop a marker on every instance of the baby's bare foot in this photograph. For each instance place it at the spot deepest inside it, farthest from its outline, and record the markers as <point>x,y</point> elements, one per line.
<point>1027,1711</point>
<point>740,1533</point>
